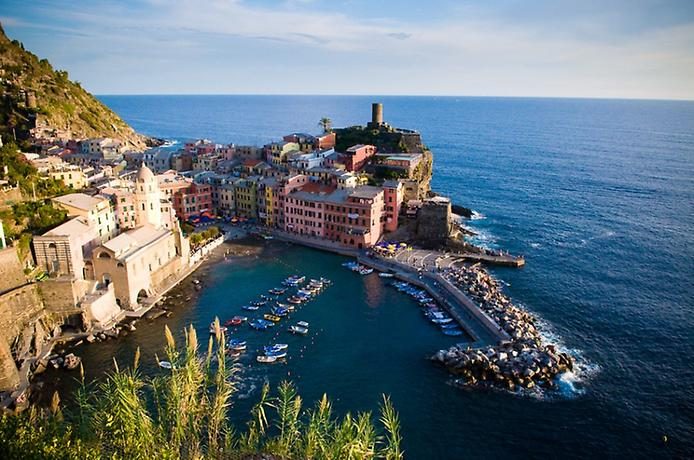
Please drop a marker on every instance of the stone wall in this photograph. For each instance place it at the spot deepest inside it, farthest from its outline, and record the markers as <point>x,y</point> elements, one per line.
<point>61,295</point>
<point>11,274</point>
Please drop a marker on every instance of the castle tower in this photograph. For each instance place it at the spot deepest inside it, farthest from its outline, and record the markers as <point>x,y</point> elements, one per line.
<point>377,114</point>
<point>147,198</point>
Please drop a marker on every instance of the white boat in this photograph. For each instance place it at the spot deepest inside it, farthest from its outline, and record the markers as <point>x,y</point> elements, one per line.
<point>302,324</point>
<point>298,330</point>
<point>386,275</point>
<point>277,346</point>
<point>213,330</point>
<point>266,359</point>
<point>165,365</point>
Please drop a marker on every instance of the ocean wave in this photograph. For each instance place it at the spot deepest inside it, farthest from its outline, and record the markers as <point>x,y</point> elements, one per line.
<point>477,215</point>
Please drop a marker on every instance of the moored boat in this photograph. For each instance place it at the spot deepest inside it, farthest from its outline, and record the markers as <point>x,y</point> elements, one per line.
<point>386,275</point>
<point>250,307</point>
<point>273,318</point>
<point>298,330</point>
<point>165,364</point>
<point>266,359</point>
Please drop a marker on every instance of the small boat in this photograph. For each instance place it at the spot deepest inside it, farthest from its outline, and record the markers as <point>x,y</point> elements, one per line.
<point>453,332</point>
<point>267,237</point>
<point>302,324</point>
<point>258,303</point>
<point>273,318</point>
<point>213,330</point>
<point>298,330</point>
<point>386,275</point>
<point>279,311</point>
<point>236,342</point>
<point>276,354</point>
<point>277,291</point>
<point>365,271</point>
<point>325,281</point>
<point>294,300</point>
<point>266,359</point>
<point>441,320</point>
<point>250,307</point>
<point>449,326</point>
<point>258,325</point>
<point>165,364</point>
<point>275,347</point>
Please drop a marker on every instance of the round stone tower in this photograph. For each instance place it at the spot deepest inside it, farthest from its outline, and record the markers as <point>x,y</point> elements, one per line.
<point>147,198</point>
<point>377,114</point>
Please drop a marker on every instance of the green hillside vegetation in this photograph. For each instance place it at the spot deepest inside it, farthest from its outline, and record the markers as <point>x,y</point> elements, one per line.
<point>60,103</point>
<point>184,414</point>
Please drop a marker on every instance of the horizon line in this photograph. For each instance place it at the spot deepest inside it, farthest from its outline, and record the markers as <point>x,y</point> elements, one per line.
<point>400,95</point>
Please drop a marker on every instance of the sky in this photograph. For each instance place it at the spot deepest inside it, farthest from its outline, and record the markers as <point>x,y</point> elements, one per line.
<point>548,48</point>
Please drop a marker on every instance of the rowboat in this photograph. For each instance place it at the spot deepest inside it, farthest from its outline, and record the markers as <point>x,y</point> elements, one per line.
<point>213,330</point>
<point>266,359</point>
<point>275,347</point>
<point>250,307</point>
<point>302,324</point>
<point>277,354</point>
<point>273,318</point>
<point>386,275</point>
<point>165,364</point>
<point>453,332</point>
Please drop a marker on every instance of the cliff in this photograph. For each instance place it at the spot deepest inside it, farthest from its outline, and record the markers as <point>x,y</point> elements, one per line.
<point>34,95</point>
<point>391,140</point>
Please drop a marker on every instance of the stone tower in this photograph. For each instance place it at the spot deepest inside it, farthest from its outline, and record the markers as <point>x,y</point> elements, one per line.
<point>147,198</point>
<point>377,114</point>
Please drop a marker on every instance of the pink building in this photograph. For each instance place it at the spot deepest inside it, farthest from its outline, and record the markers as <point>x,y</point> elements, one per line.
<point>352,217</point>
<point>393,193</point>
<point>356,157</point>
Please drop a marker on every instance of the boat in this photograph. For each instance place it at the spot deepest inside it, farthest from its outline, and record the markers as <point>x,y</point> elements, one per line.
<point>276,347</point>
<point>265,322</point>
<point>277,291</point>
<point>258,303</point>
<point>250,307</point>
<point>449,326</point>
<point>294,280</point>
<point>165,364</point>
<point>258,325</point>
<point>279,311</point>
<point>294,300</point>
<point>266,359</point>
<point>453,332</point>
<point>237,345</point>
<point>267,237</point>
<point>213,330</point>
<point>298,330</point>
<point>325,281</point>
<point>302,324</point>
<point>365,271</point>
<point>441,320</point>
<point>276,354</point>
<point>273,318</point>
<point>386,275</point>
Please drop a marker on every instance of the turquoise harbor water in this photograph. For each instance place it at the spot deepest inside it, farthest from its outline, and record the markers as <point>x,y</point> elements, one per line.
<point>599,197</point>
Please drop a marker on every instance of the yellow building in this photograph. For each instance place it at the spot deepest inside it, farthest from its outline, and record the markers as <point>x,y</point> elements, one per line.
<point>246,195</point>
<point>71,175</point>
<point>97,210</point>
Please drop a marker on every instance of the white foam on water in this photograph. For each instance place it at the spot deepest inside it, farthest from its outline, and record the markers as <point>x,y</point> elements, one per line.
<point>535,245</point>
<point>477,216</point>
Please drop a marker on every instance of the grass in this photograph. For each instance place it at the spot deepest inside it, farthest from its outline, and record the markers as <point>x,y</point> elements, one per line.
<point>184,414</point>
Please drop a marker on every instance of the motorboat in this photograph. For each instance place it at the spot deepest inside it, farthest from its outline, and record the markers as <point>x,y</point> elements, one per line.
<point>258,303</point>
<point>165,364</point>
<point>273,318</point>
<point>386,275</point>
<point>298,330</point>
<point>277,291</point>
<point>250,307</point>
<point>258,325</point>
<point>266,359</point>
<point>279,311</point>
<point>275,347</point>
<point>302,324</point>
<point>276,354</point>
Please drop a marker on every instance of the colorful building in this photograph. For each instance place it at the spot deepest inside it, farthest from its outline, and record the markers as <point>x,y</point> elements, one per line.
<point>356,157</point>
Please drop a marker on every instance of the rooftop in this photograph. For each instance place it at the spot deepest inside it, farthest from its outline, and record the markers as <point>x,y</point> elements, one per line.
<point>365,191</point>
<point>73,227</point>
<point>130,241</point>
<point>79,201</point>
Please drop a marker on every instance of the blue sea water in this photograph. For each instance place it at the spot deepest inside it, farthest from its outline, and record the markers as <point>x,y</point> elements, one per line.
<point>599,197</point>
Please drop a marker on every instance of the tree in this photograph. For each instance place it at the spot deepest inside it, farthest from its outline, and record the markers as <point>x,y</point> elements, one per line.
<point>327,124</point>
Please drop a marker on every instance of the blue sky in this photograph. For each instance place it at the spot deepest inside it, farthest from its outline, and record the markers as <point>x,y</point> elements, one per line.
<point>589,48</point>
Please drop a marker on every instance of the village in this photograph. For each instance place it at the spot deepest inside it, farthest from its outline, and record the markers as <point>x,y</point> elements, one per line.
<point>137,223</point>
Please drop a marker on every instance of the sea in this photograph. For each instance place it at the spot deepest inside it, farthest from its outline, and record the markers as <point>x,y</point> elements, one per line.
<point>598,195</point>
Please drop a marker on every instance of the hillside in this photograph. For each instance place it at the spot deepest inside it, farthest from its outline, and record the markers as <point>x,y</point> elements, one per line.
<point>36,95</point>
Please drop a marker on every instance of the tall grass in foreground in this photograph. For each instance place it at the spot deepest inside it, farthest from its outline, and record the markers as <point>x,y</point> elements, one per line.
<point>184,414</point>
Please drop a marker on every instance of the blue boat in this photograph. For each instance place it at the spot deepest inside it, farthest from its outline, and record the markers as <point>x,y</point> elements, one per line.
<point>279,311</point>
<point>275,348</point>
<point>452,332</point>
<point>257,325</point>
<point>250,307</point>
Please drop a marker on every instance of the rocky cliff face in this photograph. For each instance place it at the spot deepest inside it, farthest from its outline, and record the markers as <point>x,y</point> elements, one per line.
<point>36,95</point>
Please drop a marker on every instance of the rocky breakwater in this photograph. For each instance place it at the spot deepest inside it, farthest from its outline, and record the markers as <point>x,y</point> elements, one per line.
<point>523,362</point>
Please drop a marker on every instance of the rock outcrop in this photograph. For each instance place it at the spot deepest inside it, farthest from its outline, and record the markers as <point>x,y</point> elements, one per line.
<point>525,361</point>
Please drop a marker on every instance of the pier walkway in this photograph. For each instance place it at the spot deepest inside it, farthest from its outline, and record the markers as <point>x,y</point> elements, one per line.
<point>433,260</point>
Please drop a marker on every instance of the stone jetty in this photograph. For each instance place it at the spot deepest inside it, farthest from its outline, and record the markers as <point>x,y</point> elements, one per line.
<point>524,361</point>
